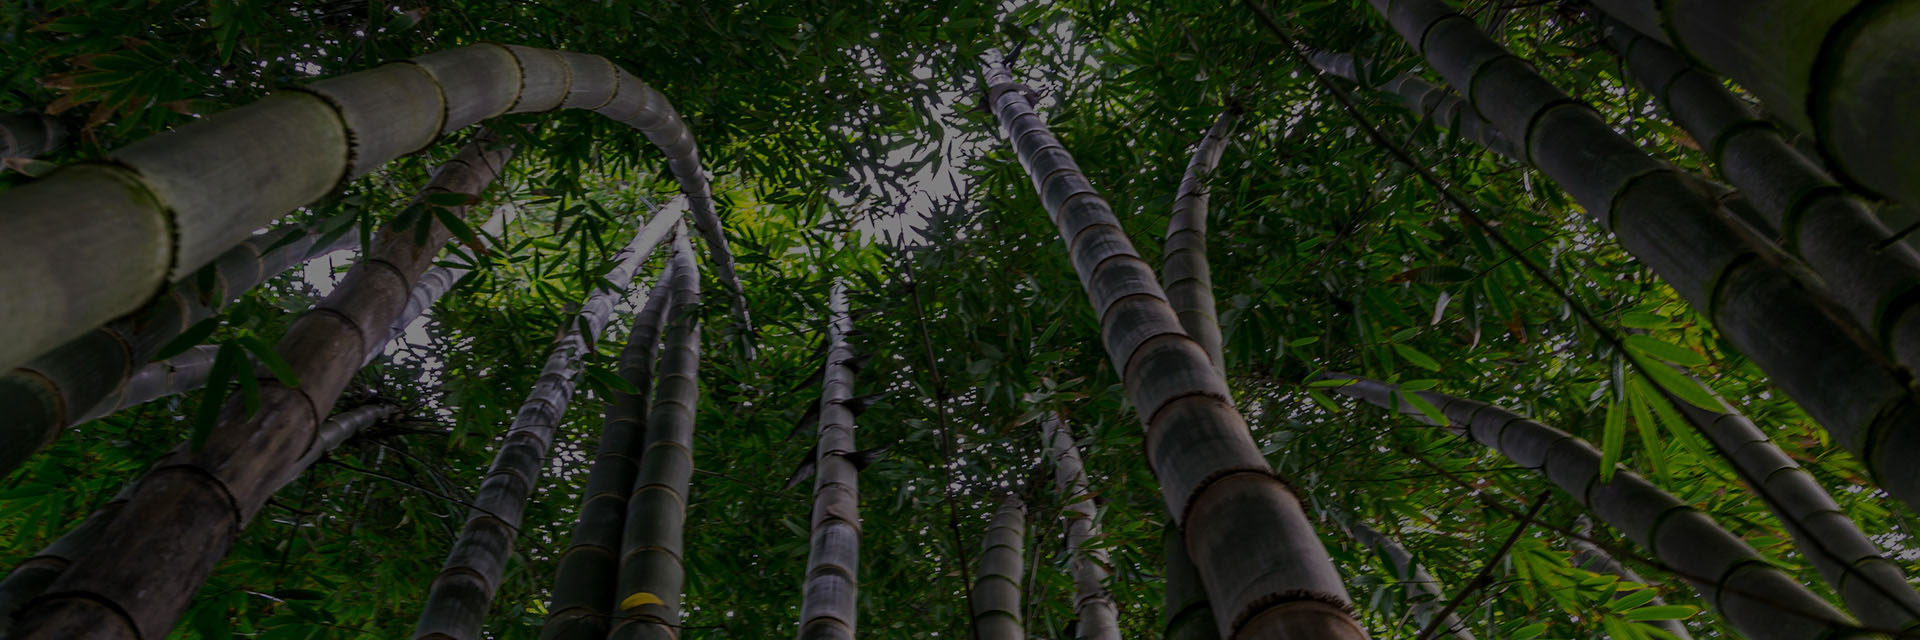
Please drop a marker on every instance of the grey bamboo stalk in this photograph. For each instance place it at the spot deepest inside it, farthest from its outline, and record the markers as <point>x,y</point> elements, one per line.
<point>828,603</point>
<point>652,570</point>
<point>1258,555</point>
<point>31,577</point>
<point>1869,271</point>
<point>583,588</point>
<point>457,602</point>
<point>1424,597</point>
<point>107,236</point>
<point>1754,293</point>
<point>1591,557</point>
<point>1839,70</point>
<point>1757,598</point>
<point>170,377</point>
<point>135,581</point>
<point>996,589</point>
<point>1088,560</point>
<point>26,135</point>
<point>436,282</point>
<point>90,376</point>
<point>1189,616</point>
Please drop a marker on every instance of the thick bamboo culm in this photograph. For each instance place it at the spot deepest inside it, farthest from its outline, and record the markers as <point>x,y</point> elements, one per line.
<point>652,571</point>
<point>828,602</point>
<point>1841,70</point>
<point>1591,557</point>
<point>1187,613</point>
<point>1759,298</point>
<point>1425,599</point>
<point>91,376</point>
<point>1866,267</point>
<point>26,135</point>
<point>1263,566</point>
<point>1754,596</point>
<point>30,578</point>
<point>1087,559</point>
<point>583,587</point>
<point>107,236</point>
<point>996,588</point>
<point>456,606</point>
<point>138,578</point>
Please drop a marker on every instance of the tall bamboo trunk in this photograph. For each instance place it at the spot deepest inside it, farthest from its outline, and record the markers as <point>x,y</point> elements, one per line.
<point>1258,555</point>
<point>1591,557</point>
<point>436,282</point>
<point>92,375</point>
<point>143,570</point>
<point>1757,295</point>
<point>25,135</point>
<point>996,588</point>
<point>1757,598</point>
<point>1087,559</point>
<point>1842,70</point>
<point>1425,599</point>
<point>170,377</point>
<point>1869,270</point>
<point>104,237</point>
<point>457,602</point>
<point>1189,615</point>
<point>828,603</point>
<point>652,570</point>
<point>583,588</point>
<point>32,577</point>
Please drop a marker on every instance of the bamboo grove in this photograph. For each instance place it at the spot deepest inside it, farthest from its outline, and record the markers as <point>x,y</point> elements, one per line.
<point>1095,320</point>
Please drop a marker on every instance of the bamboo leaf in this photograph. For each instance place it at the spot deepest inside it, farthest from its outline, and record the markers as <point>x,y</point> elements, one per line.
<point>1661,612</point>
<point>188,339</point>
<point>1649,346</point>
<point>1612,439</point>
<point>1681,386</point>
<point>1649,431</point>
<point>1425,408</point>
<point>1416,357</point>
<point>225,362</point>
<point>1644,320</point>
<point>271,360</point>
<point>1527,632</point>
<point>1633,599</point>
<point>612,381</point>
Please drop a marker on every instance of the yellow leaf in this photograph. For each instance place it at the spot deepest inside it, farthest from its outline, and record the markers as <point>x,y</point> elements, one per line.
<point>639,599</point>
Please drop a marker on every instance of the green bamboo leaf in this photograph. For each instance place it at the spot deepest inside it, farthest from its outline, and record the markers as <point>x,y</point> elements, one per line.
<point>1651,347</point>
<point>1644,320</point>
<point>1416,357</point>
<point>249,391</point>
<point>1620,630</point>
<point>1632,599</point>
<point>1661,612</point>
<point>1528,632</point>
<point>1332,382</point>
<point>1649,431</point>
<point>1682,386</point>
<point>271,360</point>
<point>188,339</point>
<point>225,363</point>
<point>1612,439</point>
<point>1425,408</point>
<point>611,380</point>
<point>1324,401</point>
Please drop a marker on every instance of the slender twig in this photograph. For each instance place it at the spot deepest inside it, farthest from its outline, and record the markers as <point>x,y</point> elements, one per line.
<point>1486,572</point>
<point>944,435</point>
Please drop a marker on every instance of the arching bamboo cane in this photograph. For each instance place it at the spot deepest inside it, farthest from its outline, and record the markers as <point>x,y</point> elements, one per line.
<point>26,135</point>
<point>457,602</point>
<point>1756,295</point>
<point>1842,70</point>
<point>137,579</point>
<point>31,577</point>
<point>996,589</point>
<point>1424,597</point>
<point>828,606</point>
<point>1757,598</point>
<point>1257,553</point>
<point>652,571</point>
<point>1591,557</point>
<point>107,236</point>
<point>583,589</point>
<point>90,376</point>
<point>1088,561</point>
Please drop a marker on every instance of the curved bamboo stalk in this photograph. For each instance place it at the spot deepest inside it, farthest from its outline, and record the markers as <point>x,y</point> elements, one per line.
<point>107,236</point>
<point>457,602</point>
<point>91,376</point>
<point>996,589</point>
<point>828,604</point>
<point>1184,273</point>
<point>1754,293</point>
<point>1868,270</point>
<point>1842,70</point>
<point>589,569</point>
<point>1088,562</point>
<point>1591,557</point>
<point>436,282</point>
<point>1425,600</point>
<point>137,578</point>
<point>652,572</point>
<point>26,135</point>
<point>1757,598</point>
<point>32,577</point>
<point>1257,553</point>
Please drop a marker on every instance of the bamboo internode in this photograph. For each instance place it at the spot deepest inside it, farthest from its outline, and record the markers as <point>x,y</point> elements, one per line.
<point>828,605</point>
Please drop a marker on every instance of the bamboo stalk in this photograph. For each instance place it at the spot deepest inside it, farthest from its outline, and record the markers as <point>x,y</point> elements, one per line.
<point>105,237</point>
<point>652,572</point>
<point>170,377</point>
<point>26,135</point>
<point>436,282</point>
<point>828,603</point>
<point>1755,294</point>
<point>1257,554</point>
<point>583,587</point>
<point>93,375</point>
<point>1757,598</point>
<point>457,602</point>
<point>1842,70</point>
<point>1425,599</point>
<point>182,518</point>
<point>1088,561</point>
<point>996,590</point>
<point>1591,557</point>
